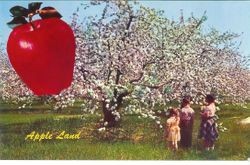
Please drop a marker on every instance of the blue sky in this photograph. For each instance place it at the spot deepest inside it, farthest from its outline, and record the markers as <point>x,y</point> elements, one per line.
<point>231,16</point>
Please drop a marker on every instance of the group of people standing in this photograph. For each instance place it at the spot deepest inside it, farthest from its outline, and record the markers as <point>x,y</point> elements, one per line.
<point>179,125</point>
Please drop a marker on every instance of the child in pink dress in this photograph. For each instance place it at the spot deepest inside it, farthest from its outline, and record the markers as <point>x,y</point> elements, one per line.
<point>173,129</point>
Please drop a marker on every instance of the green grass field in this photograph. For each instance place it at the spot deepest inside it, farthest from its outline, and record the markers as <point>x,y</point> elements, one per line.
<point>133,139</point>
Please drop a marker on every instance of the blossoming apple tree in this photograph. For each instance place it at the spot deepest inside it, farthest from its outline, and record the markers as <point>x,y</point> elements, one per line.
<point>12,89</point>
<point>142,58</point>
<point>131,58</point>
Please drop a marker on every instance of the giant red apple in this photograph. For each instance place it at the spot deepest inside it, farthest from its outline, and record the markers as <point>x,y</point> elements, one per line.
<point>43,55</point>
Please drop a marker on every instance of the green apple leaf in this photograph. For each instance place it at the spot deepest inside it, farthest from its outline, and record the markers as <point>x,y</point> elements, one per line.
<point>49,12</point>
<point>34,6</point>
<point>16,21</point>
<point>19,11</point>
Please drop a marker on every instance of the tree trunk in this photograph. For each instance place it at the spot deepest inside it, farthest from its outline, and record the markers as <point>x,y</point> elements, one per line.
<point>107,112</point>
<point>108,116</point>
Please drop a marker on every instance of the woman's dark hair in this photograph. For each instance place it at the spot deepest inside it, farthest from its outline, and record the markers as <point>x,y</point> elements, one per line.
<point>210,98</point>
<point>185,101</point>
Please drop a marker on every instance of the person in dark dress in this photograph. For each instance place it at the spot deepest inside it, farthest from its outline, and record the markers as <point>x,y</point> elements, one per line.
<point>186,123</point>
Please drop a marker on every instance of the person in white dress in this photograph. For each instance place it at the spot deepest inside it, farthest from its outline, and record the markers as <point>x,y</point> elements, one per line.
<point>173,129</point>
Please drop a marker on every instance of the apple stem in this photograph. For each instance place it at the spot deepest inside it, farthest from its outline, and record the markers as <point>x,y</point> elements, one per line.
<point>30,20</point>
<point>31,23</point>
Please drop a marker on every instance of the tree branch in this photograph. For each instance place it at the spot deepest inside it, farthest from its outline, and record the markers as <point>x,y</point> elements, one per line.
<point>155,86</point>
<point>111,63</point>
<point>127,27</point>
<point>142,73</point>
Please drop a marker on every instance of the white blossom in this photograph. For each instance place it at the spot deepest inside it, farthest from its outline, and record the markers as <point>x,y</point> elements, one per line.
<point>101,129</point>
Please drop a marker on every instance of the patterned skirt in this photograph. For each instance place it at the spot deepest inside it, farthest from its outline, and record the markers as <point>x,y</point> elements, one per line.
<point>208,130</point>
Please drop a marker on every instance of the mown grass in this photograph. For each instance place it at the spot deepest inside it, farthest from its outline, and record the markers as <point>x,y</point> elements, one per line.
<point>23,118</point>
<point>133,139</point>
